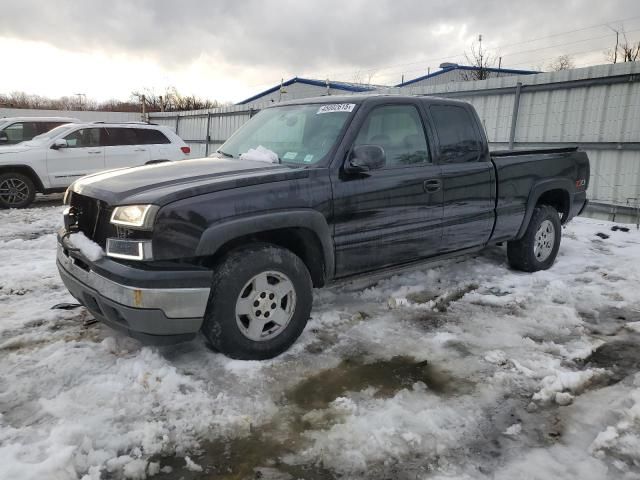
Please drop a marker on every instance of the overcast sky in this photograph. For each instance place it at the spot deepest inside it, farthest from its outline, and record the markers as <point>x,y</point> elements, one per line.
<point>231,49</point>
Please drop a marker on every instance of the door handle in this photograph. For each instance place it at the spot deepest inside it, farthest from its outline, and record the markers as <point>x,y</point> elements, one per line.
<point>432,185</point>
<point>140,150</point>
<point>95,151</point>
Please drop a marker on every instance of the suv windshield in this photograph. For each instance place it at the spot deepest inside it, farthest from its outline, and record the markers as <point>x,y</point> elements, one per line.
<point>296,134</point>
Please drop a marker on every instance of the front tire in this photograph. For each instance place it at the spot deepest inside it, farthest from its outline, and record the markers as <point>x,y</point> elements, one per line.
<point>16,190</point>
<point>538,248</point>
<point>259,304</point>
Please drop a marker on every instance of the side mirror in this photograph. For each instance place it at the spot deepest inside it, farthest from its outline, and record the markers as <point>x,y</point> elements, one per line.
<point>4,138</point>
<point>60,143</point>
<point>364,158</point>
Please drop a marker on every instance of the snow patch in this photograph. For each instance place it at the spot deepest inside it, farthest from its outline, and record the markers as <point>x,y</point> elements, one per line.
<point>562,381</point>
<point>90,249</point>
<point>260,154</point>
<point>191,465</point>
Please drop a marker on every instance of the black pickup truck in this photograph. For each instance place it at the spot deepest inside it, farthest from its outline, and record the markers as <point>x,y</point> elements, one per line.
<point>306,193</point>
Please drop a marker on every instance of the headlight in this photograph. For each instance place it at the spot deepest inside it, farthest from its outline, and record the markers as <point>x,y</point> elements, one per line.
<point>139,217</point>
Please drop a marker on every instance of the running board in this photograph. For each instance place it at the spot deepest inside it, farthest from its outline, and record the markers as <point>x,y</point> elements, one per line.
<point>361,281</point>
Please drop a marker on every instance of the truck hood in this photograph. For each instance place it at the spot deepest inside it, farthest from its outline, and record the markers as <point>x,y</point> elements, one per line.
<point>167,182</point>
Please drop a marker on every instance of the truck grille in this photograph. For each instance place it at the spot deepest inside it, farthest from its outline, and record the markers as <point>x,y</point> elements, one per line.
<point>93,218</point>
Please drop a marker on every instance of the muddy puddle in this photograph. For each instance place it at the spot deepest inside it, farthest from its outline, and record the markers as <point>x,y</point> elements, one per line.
<point>259,453</point>
<point>354,375</point>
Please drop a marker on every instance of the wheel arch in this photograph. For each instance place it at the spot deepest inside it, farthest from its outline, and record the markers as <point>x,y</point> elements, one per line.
<point>303,232</point>
<point>554,192</point>
<point>24,170</point>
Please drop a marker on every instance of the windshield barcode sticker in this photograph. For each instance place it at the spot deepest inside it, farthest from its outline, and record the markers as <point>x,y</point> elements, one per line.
<point>336,107</point>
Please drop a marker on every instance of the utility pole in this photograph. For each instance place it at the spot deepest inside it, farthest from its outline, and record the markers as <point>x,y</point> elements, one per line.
<point>82,99</point>
<point>615,52</point>
<point>144,107</point>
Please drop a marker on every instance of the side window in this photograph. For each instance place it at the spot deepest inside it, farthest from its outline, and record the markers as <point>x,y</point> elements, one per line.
<point>459,141</point>
<point>120,136</point>
<point>149,136</point>
<point>21,132</point>
<point>44,127</point>
<point>83,138</point>
<point>398,129</point>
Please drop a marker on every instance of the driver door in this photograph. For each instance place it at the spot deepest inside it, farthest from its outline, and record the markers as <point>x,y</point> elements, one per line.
<point>391,215</point>
<point>84,154</point>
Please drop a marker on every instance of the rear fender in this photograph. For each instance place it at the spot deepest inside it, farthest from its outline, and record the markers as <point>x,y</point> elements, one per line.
<point>537,191</point>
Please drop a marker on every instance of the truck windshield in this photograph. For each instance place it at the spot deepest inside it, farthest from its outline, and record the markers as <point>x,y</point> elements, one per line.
<point>294,134</point>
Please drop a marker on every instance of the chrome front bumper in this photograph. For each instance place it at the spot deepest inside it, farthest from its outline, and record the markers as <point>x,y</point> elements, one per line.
<point>141,312</point>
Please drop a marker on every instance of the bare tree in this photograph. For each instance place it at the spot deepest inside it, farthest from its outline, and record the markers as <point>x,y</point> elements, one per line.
<point>364,77</point>
<point>563,62</point>
<point>625,50</point>
<point>480,58</point>
<point>170,100</point>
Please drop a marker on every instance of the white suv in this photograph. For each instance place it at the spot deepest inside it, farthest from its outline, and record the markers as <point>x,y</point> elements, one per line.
<point>21,129</point>
<point>52,161</point>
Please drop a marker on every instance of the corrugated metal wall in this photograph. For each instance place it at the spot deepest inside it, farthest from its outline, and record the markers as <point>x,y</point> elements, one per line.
<point>597,108</point>
<point>85,115</point>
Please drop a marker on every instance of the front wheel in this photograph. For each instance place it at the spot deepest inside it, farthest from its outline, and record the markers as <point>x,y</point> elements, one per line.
<point>16,190</point>
<point>538,248</point>
<point>259,304</point>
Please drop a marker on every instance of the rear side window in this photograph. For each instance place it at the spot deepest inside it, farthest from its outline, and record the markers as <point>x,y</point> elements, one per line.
<point>149,136</point>
<point>459,141</point>
<point>120,136</point>
<point>398,130</point>
<point>21,132</point>
<point>44,127</point>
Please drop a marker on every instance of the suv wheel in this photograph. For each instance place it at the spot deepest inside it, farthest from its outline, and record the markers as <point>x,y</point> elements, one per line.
<point>259,304</point>
<point>16,190</point>
<point>538,248</point>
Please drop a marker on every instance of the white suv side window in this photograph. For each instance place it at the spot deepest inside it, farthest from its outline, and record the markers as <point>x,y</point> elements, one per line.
<point>84,137</point>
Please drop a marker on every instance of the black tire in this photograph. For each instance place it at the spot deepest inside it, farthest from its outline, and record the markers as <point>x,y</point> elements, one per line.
<point>523,255</point>
<point>16,190</point>
<point>221,325</point>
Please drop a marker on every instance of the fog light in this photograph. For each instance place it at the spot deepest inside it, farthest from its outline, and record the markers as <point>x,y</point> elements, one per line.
<point>129,249</point>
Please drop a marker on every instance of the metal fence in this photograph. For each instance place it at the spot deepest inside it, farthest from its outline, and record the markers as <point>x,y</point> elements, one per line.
<point>596,108</point>
<point>84,115</point>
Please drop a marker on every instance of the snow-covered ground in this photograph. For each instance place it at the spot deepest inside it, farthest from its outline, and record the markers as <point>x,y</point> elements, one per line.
<point>468,370</point>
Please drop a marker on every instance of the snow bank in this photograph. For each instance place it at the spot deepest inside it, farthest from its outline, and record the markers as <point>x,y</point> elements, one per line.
<point>86,402</point>
<point>621,441</point>
<point>260,154</point>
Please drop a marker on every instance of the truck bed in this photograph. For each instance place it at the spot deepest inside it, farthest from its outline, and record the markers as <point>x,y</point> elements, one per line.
<point>521,174</point>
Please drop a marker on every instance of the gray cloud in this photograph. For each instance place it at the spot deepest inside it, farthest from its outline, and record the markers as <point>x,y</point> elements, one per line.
<point>303,36</point>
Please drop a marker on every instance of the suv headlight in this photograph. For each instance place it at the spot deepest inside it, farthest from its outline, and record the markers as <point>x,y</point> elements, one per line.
<point>139,217</point>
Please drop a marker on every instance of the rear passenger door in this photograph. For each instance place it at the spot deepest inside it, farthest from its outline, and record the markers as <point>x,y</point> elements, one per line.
<point>123,149</point>
<point>157,143</point>
<point>467,175</point>
<point>392,215</point>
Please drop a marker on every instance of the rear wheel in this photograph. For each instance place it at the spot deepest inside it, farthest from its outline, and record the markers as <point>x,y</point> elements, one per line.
<point>259,304</point>
<point>538,248</point>
<point>16,190</point>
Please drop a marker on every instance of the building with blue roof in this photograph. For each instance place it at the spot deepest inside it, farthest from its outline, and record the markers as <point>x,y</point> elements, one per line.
<point>452,72</point>
<point>299,87</point>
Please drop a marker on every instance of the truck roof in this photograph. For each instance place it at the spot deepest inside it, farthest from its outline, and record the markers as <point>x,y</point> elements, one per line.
<point>364,98</point>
